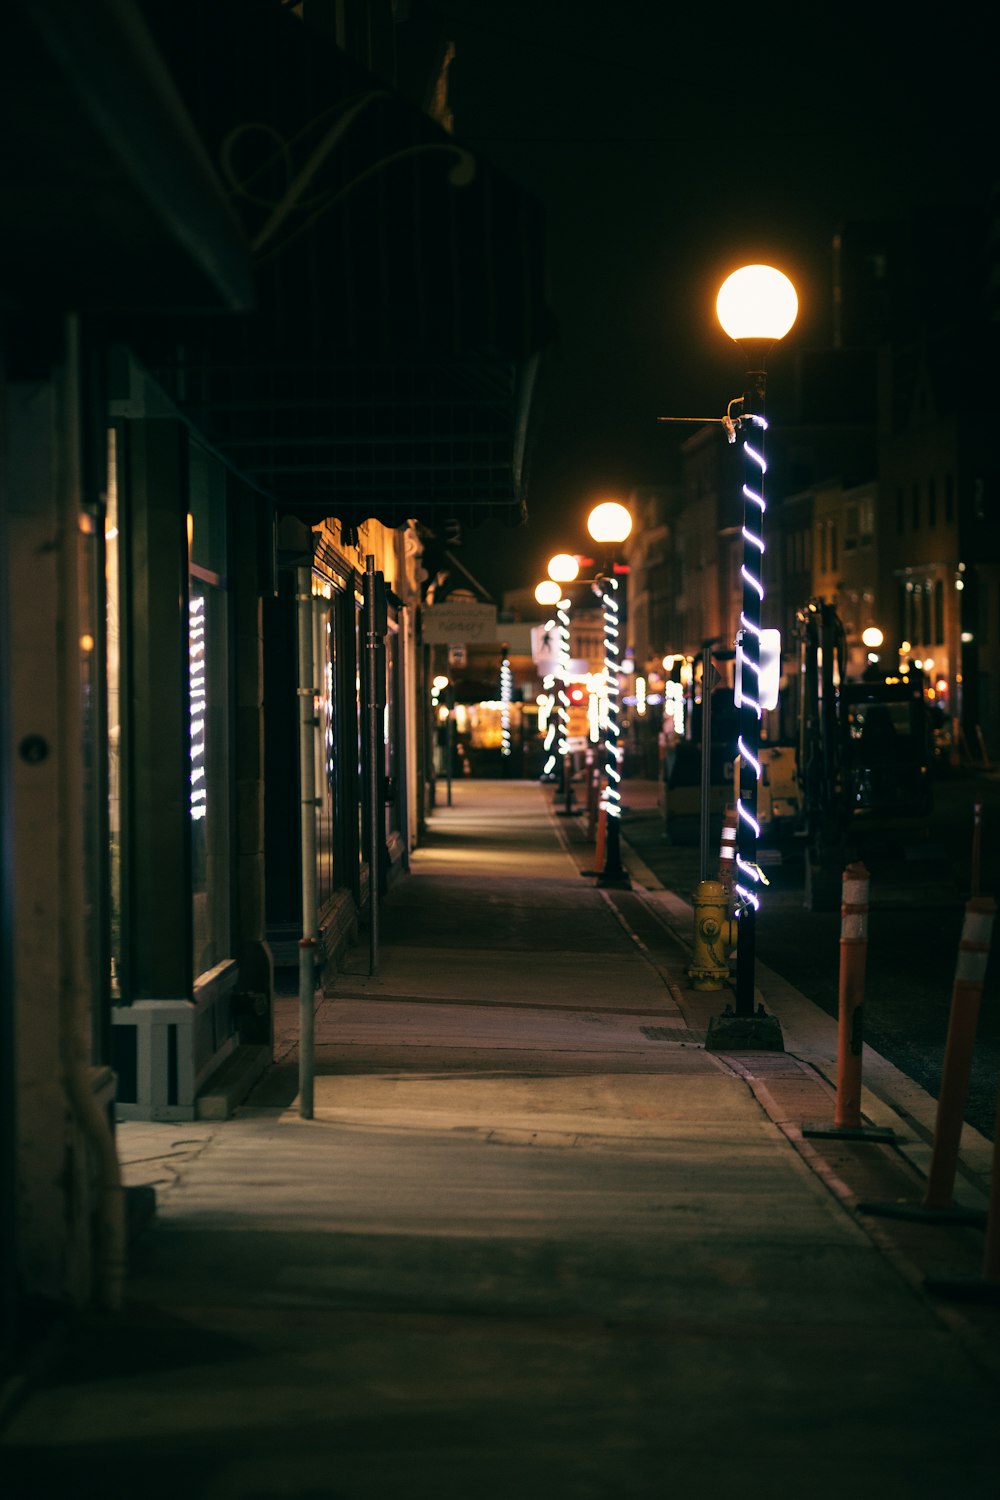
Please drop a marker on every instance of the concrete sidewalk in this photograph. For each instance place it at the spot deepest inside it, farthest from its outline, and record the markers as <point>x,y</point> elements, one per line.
<point>537,1241</point>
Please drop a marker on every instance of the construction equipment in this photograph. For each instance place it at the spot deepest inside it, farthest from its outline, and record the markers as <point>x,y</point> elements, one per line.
<point>863,764</point>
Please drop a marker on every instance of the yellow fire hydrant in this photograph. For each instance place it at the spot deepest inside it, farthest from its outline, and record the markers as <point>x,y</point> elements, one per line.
<point>714,937</point>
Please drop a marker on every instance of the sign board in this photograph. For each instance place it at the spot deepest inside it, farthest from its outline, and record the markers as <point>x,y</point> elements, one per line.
<point>577,742</point>
<point>458,656</point>
<point>459,622</point>
<point>578,722</point>
<point>544,651</point>
<point>770,669</point>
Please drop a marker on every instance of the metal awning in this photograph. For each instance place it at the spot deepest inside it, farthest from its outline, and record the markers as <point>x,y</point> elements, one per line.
<point>109,200</point>
<point>387,371</point>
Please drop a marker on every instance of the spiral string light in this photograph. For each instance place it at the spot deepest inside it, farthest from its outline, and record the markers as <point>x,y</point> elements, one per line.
<point>612,800</point>
<point>563,659</point>
<point>749,876</point>
<point>505,687</point>
<point>549,745</point>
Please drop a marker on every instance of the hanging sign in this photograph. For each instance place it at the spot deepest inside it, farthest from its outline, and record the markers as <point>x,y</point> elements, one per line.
<point>459,622</point>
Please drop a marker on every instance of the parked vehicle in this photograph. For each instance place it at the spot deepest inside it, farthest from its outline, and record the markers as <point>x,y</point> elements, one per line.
<point>863,759</point>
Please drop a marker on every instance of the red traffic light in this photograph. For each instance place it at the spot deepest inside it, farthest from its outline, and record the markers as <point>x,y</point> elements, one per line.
<point>577,693</point>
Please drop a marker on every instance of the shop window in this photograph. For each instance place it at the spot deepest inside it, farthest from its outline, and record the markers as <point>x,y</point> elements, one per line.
<point>326,743</point>
<point>113,596</point>
<point>208,686</point>
<point>850,528</point>
<point>938,613</point>
<point>392,728</point>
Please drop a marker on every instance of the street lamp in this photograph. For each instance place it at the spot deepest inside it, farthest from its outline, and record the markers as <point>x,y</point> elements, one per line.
<point>547,592</point>
<point>756,306</point>
<point>563,568</point>
<point>609,524</point>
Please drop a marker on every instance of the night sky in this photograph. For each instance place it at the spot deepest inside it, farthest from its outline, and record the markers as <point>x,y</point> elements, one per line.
<point>667,152</point>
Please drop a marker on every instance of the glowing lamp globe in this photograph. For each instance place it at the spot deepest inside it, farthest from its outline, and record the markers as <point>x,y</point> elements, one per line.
<point>757,303</point>
<point>548,592</point>
<point>609,522</point>
<point>563,567</point>
<point>872,637</point>
<point>440,683</point>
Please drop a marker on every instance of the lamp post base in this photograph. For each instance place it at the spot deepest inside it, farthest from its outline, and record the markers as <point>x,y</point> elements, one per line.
<point>732,1033</point>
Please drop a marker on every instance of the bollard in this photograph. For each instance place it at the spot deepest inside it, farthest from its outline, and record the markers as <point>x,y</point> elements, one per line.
<point>593,799</point>
<point>850,1010</point>
<point>714,937</point>
<point>991,1252</point>
<point>975,862</point>
<point>851,996</point>
<point>986,1287</point>
<point>970,973</point>
<point>567,810</point>
<point>601,838</point>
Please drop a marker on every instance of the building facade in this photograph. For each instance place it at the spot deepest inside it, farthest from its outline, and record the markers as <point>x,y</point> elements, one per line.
<point>229,417</point>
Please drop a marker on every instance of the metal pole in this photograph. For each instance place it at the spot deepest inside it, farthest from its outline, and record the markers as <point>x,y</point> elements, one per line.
<point>449,748</point>
<point>307,793</point>
<point>706,754</point>
<point>747,828</point>
<point>373,642</point>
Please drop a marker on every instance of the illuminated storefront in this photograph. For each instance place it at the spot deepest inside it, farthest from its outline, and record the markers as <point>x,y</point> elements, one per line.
<point>182,922</point>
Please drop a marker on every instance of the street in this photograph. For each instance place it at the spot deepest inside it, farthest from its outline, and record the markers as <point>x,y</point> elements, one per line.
<point>912,948</point>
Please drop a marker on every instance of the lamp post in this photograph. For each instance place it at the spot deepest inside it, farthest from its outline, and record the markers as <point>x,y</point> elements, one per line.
<point>609,524</point>
<point>756,306</point>
<point>549,593</point>
<point>563,568</point>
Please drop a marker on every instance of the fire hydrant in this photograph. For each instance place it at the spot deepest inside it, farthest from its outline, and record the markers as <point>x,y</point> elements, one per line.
<point>714,937</point>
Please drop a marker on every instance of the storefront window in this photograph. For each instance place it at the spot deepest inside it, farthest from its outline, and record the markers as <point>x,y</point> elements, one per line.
<point>326,769</point>
<point>390,730</point>
<point>112,577</point>
<point>208,683</point>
